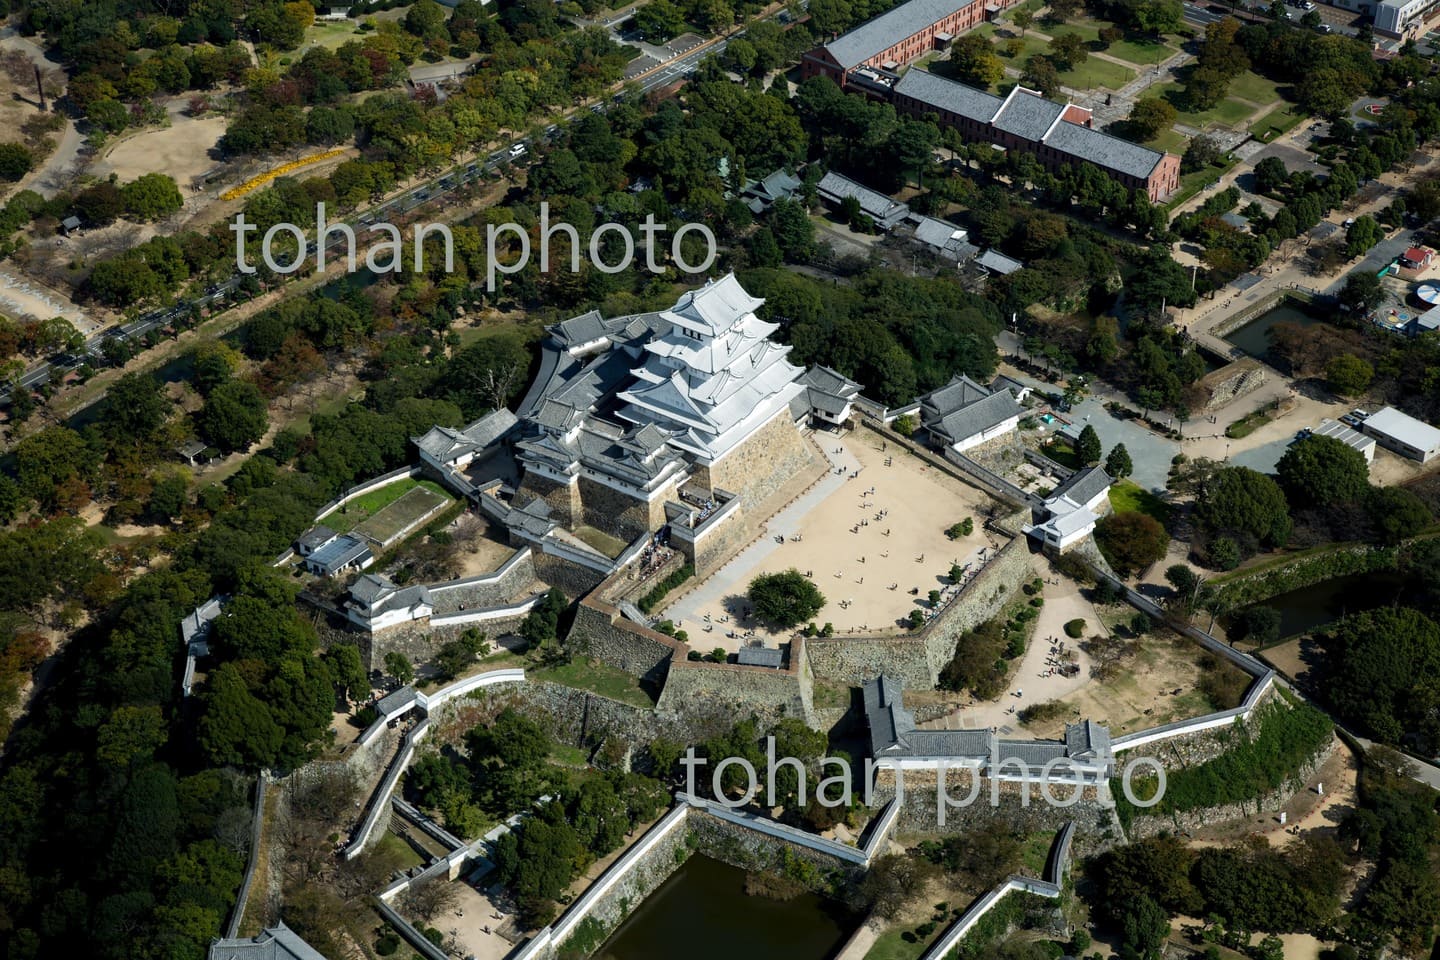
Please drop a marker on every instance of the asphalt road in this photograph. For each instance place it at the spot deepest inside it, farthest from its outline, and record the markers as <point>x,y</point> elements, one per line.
<point>676,70</point>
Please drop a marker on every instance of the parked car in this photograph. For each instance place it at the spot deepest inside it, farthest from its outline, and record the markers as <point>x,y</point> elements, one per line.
<point>516,152</point>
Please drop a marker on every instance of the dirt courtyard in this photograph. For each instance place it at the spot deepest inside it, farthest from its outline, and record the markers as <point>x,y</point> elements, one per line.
<point>871,537</point>
<point>181,150</point>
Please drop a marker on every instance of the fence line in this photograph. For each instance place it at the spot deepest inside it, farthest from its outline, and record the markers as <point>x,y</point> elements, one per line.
<point>237,913</point>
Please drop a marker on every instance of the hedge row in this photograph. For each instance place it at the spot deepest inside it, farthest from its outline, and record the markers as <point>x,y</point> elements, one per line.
<point>657,593</point>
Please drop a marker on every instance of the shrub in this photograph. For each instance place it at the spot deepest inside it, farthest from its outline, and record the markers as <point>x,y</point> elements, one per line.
<point>962,529</point>
<point>785,598</point>
<point>387,944</point>
<point>658,592</point>
<point>1075,629</point>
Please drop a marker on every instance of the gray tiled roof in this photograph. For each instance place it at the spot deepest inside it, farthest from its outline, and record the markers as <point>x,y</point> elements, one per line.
<point>885,210</point>
<point>273,943</point>
<point>314,538</point>
<point>944,94</point>
<point>978,416</point>
<point>939,233</point>
<point>1027,115</point>
<point>761,656</point>
<point>888,29</point>
<point>582,329</point>
<point>997,262</point>
<point>959,392</point>
<point>1103,150</point>
<point>1084,484</point>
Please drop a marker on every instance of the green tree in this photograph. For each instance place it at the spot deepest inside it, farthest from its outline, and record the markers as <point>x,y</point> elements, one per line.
<point>1150,116</point>
<point>16,160</point>
<point>785,599</point>
<point>1397,513</point>
<point>1131,541</point>
<point>1117,462</point>
<point>151,196</point>
<point>233,416</point>
<point>1363,234</point>
<point>1321,470</point>
<point>1362,291</point>
<point>348,671</point>
<point>1041,74</point>
<point>659,21</point>
<point>1238,500</point>
<point>135,407</point>
<point>1376,664</point>
<point>1088,448</point>
<point>1348,375</point>
<point>398,666</point>
<point>1271,175</point>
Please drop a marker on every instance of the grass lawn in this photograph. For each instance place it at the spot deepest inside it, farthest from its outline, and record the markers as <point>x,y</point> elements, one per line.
<point>1169,141</point>
<point>890,946</point>
<point>1255,88</point>
<point>1227,112</point>
<point>1062,451</point>
<point>1280,120</point>
<point>1095,72</point>
<point>1032,45</point>
<point>1142,53</point>
<point>1193,183</point>
<point>598,678</point>
<point>610,546</point>
<point>1035,851</point>
<point>568,756</point>
<point>330,34</point>
<point>343,519</point>
<point>1129,497</point>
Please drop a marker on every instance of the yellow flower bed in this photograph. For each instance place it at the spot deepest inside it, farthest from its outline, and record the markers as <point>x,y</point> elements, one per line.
<point>235,193</point>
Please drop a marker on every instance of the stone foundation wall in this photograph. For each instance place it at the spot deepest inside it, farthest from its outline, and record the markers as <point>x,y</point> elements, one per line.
<point>420,642</point>
<point>1000,454</point>
<point>919,813</point>
<point>600,631</point>
<point>720,543</point>
<point>754,851</point>
<point>616,513</point>
<point>763,464</point>
<point>918,658</point>
<point>1230,382</point>
<point>1272,803</point>
<point>574,579</point>
<point>1191,749</point>
<point>767,693</point>
<point>852,660</point>
<point>564,498</point>
<point>483,593</point>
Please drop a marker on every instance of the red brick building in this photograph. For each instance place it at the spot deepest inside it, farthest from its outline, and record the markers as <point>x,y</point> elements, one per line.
<point>1055,134</point>
<point>898,36</point>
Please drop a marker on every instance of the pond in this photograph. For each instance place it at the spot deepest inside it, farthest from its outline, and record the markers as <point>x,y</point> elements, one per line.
<point>1254,337</point>
<point>1309,608</point>
<point>703,913</point>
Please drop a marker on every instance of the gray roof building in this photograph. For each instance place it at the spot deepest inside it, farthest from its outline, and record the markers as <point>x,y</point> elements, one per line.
<point>761,657</point>
<point>342,553</point>
<point>313,539</point>
<point>273,943</point>
<point>447,445</point>
<point>1084,485</point>
<point>884,210</point>
<point>760,195</point>
<point>1403,434</point>
<point>880,34</point>
<point>1027,115</point>
<point>893,734</point>
<point>1103,149</point>
<point>949,96</point>
<point>993,261</point>
<point>963,409</point>
<point>946,239</point>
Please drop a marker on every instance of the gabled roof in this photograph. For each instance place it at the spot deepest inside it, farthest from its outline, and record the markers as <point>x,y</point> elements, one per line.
<point>1104,150</point>
<point>1027,114</point>
<point>978,416</point>
<point>761,657</point>
<point>959,392</point>
<point>1083,485</point>
<point>957,98</point>
<point>997,262</point>
<point>880,34</point>
<point>714,308</point>
<point>273,943</point>
<point>314,538</point>
<point>586,328</point>
<point>940,234</point>
<point>883,209</point>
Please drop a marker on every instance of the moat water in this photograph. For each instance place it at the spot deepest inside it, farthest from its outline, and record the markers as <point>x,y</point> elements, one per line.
<point>1254,337</point>
<point>703,913</point>
<point>1312,607</point>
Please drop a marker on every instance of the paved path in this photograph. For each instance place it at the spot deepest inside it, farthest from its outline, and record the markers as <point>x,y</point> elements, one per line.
<point>725,582</point>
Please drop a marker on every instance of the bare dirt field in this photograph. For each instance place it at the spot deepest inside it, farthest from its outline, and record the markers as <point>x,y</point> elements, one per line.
<point>1140,693</point>
<point>1308,811</point>
<point>181,150</point>
<point>1294,658</point>
<point>480,551</point>
<point>871,536</point>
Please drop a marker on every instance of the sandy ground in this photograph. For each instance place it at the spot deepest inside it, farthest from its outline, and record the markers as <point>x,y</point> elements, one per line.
<point>1033,678</point>
<point>1294,658</point>
<point>182,150</point>
<point>21,296</point>
<point>479,551</point>
<point>874,543</point>
<point>467,922</point>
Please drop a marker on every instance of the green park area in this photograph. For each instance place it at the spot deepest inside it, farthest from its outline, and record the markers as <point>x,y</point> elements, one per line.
<point>346,518</point>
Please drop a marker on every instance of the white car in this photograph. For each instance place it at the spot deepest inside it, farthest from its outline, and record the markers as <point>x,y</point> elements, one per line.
<point>516,152</point>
